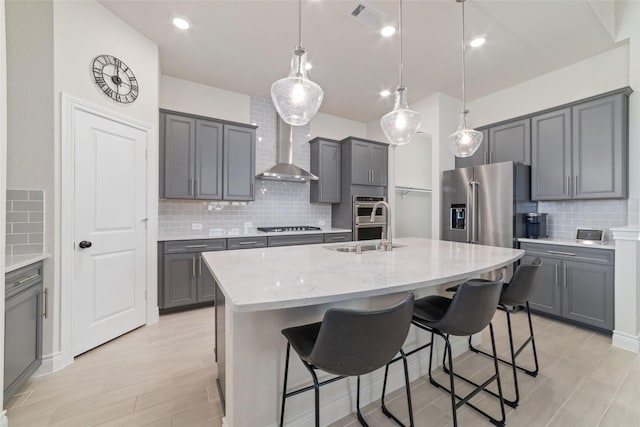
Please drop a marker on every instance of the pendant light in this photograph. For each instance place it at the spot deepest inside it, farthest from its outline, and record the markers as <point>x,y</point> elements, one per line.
<point>400,124</point>
<point>296,98</point>
<point>464,142</point>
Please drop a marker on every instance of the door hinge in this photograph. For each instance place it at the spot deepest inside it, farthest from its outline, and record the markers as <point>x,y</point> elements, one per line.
<point>146,221</point>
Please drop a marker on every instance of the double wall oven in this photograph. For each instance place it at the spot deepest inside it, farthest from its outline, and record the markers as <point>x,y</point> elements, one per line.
<point>363,227</point>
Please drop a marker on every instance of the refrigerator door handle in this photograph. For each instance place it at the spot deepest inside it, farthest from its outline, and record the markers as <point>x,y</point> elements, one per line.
<point>474,212</point>
<point>469,211</point>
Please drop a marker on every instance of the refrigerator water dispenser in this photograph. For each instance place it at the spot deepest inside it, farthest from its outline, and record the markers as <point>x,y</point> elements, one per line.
<point>458,217</point>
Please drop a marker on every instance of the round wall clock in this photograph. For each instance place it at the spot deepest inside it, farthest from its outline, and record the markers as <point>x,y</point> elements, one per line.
<point>115,78</point>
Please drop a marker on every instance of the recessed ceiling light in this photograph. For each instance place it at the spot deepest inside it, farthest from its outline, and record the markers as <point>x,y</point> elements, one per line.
<point>385,93</point>
<point>308,66</point>
<point>181,23</point>
<point>388,31</point>
<point>477,42</point>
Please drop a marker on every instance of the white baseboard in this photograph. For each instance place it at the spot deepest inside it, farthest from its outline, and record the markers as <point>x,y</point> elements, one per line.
<point>338,405</point>
<point>153,315</point>
<point>626,341</point>
<point>51,363</point>
<point>4,422</point>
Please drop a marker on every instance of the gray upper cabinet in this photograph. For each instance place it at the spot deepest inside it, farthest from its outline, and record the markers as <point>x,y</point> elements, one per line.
<point>325,164</point>
<point>600,148</point>
<point>178,147</point>
<point>208,160</point>
<point>510,142</point>
<point>366,162</point>
<point>580,151</point>
<point>505,142</point>
<point>551,155</point>
<point>239,162</point>
<point>205,159</point>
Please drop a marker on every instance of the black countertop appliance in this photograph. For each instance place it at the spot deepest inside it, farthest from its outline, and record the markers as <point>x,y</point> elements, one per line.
<point>536,225</point>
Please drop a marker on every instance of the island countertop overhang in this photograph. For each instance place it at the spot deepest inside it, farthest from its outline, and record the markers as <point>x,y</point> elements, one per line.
<point>297,276</point>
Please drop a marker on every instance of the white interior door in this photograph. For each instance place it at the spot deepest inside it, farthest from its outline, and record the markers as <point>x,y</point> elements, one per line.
<point>109,278</point>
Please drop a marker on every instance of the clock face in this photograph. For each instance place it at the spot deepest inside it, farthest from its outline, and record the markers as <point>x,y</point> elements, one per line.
<point>115,79</point>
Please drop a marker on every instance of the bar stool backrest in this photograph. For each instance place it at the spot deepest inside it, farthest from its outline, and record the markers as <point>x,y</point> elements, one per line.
<point>473,306</point>
<point>521,287</point>
<point>353,342</point>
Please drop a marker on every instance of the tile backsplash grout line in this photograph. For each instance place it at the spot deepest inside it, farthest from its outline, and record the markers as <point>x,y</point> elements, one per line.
<point>25,222</point>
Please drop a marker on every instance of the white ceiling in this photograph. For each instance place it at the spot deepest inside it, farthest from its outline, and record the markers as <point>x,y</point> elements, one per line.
<point>244,46</point>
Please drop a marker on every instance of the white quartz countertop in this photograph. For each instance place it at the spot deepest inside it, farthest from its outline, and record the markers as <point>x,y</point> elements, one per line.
<point>14,262</point>
<point>572,242</point>
<point>295,276</point>
<point>223,233</point>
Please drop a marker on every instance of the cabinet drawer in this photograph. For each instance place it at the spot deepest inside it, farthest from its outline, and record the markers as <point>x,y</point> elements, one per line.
<point>599,256</point>
<point>337,237</point>
<point>205,245</point>
<point>22,278</point>
<point>302,239</point>
<point>246,242</point>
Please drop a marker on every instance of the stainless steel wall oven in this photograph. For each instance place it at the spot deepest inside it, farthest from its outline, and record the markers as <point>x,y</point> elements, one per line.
<point>363,227</point>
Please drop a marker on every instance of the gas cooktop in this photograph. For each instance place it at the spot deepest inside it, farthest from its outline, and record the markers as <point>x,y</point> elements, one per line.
<point>288,228</point>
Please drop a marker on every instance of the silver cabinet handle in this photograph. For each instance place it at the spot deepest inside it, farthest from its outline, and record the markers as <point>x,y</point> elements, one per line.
<point>195,246</point>
<point>193,266</point>
<point>568,185</point>
<point>320,192</point>
<point>200,265</point>
<point>192,185</point>
<point>561,253</point>
<point>373,175</point>
<point>26,279</point>
<point>45,300</point>
<point>485,157</point>
<point>556,275</point>
<point>247,243</point>
<point>338,238</point>
<point>576,188</point>
<point>564,276</point>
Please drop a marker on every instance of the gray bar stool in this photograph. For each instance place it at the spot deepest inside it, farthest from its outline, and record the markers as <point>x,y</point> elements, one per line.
<point>469,312</point>
<point>350,343</point>
<point>514,295</point>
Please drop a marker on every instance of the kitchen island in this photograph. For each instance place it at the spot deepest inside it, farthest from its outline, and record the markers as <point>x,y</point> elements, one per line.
<point>261,291</point>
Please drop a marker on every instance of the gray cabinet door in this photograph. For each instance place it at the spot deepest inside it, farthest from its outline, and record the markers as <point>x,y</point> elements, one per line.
<point>379,164</point>
<point>180,277</point>
<point>588,294</point>
<point>297,239</point>
<point>179,157</point>
<point>360,163</point>
<point>208,158</point>
<point>239,162</point>
<point>511,142</point>
<point>325,163</point>
<point>600,149</point>
<point>480,157</point>
<point>551,156</point>
<point>547,295</point>
<point>206,284</point>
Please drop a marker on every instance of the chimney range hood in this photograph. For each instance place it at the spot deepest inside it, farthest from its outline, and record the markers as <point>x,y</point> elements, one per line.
<point>285,170</point>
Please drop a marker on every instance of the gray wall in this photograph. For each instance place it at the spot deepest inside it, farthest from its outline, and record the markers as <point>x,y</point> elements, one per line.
<point>277,203</point>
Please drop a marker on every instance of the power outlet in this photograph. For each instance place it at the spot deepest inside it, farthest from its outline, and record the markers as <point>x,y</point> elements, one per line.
<point>248,224</point>
<point>196,226</point>
<point>322,223</point>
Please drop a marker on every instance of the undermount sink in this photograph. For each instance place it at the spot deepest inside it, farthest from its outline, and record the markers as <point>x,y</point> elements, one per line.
<point>363,248</point>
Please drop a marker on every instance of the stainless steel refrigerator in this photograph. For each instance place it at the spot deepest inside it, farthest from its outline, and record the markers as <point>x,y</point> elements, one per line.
<point>486,204</point>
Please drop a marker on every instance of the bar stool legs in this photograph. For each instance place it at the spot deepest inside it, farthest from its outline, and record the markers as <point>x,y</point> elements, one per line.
<point>386,411</point>
<point>515,353</point>
<point>456,400</point>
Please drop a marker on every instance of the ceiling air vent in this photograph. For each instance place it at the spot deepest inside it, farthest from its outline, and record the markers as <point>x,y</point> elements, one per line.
<point>369,16</point>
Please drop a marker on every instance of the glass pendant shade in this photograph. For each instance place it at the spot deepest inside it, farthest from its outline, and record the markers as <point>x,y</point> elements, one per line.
<point>464,142</point>
<point>296,98</point>
<point>400,124</point>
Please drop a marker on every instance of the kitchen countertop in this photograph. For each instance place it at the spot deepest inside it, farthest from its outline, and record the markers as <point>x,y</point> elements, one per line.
<point>286,277</point>
<point>14,262</point>
<point>223,233</point>
<point>607,244</point>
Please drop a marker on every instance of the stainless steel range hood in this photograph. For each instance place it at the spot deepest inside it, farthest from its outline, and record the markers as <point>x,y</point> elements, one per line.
<point>285,170</point>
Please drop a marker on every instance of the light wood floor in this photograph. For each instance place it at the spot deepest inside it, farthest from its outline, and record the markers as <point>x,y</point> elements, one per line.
<point>164,375</point>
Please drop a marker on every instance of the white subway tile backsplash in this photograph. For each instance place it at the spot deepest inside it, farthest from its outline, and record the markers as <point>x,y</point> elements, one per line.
<point>25,222</point>
<point>566,216</point>
<point>276,202</point>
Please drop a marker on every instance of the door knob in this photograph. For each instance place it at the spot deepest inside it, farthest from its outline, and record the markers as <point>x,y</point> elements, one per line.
<point>84,244</point>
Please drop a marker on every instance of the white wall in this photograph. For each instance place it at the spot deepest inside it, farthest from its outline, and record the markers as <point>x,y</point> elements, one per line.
<point>595,75</point>
<point>334,127</point>
<point>3,185</point>
<point>195,98</point>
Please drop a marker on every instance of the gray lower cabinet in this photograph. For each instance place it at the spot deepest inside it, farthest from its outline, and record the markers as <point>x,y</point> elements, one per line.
<point>575,283</point>
<point>208,159</point>
<point>580,151</point>
<point>325,164</point>
<point>183,279</point>
<point>364,162</point>
<point>510,141</point>
<point>296,239</point>
<point>24,311</point>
